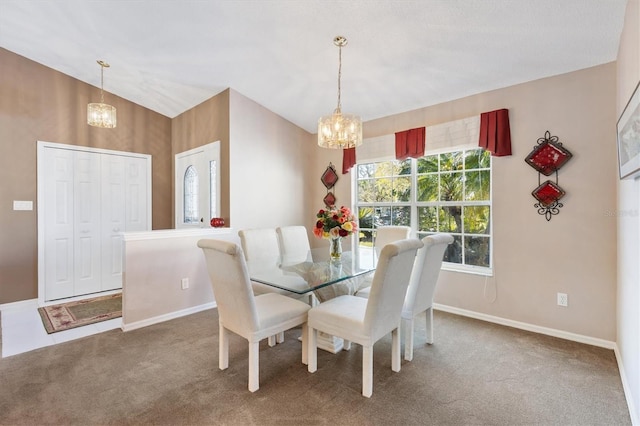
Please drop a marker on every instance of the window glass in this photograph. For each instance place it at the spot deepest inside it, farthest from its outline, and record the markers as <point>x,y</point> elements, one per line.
<point>191,214</point>
<point>213,193</point>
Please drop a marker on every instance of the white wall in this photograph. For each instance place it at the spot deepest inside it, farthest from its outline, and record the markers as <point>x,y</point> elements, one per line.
<point>628,298</point>
<point>155,264</point>
<point>269,159</point>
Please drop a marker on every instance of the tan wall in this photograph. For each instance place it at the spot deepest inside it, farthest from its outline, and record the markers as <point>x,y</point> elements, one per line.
<point>575,252</point>
<point>38,103</point>
<point>203,124</point>
<point>628,337</point>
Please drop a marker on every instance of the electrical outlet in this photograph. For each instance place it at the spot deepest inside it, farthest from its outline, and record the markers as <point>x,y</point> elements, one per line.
<point>563,299</point>
<point>185,283</point>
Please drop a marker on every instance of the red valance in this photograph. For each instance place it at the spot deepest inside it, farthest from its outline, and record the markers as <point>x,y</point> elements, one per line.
<point>348,159</point>
<point>495,135</point>
<point>410,143</point>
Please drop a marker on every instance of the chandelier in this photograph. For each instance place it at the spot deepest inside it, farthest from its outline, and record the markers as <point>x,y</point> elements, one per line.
<point>338,130</point>
<point>101,114</point>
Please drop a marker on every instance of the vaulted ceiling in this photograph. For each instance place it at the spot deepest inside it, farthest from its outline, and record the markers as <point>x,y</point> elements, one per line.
<point>401,55</point>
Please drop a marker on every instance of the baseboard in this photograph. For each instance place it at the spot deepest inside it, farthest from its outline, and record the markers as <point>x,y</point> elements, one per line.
<point>635,420</point>
<point>528,327</point>
<point>166,317</point>
<point>21,304</point>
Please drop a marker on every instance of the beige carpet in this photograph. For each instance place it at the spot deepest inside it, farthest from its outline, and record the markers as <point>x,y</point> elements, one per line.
<point>167,374</point>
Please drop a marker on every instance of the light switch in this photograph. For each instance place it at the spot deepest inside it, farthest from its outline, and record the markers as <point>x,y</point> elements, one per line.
<point>22,205</point>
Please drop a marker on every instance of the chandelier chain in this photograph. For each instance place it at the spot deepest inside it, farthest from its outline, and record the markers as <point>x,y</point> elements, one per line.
<point>101,83</point>
<point>339,74</point>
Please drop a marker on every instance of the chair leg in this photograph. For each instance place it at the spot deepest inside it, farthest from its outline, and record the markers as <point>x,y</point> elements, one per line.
<point>305,344</point>
<point>280,337</point>
<point>346,345</point>
<point>408,338</point>
<point>223,348</point>
<point>271,340</point>
<point>367,371</point>
<point>395,349</point>
<point>430,326</point>
<point>312,354</point>
<point>254,366</point>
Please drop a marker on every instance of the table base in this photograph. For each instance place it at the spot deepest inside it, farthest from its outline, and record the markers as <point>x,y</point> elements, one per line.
<point>328,343</point>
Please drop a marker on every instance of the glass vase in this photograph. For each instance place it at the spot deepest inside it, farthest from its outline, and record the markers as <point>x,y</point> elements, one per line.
<point>335,248</point>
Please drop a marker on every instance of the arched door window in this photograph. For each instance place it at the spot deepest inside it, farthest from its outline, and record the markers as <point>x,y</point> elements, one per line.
<point>191,200</point>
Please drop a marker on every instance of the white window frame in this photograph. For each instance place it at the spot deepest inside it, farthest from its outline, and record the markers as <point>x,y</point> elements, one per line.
<point>414,205</point>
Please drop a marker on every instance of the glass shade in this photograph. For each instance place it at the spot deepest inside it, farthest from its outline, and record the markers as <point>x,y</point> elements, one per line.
<point>101,115</point>
<point>339,131</point>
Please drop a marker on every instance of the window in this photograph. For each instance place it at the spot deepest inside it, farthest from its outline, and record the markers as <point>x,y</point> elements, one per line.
<point>213,189</point>
<point>444,192</point>
<point>191,214</point>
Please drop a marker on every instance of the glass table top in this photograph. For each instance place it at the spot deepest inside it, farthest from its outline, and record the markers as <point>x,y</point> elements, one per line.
<point>308,272</point>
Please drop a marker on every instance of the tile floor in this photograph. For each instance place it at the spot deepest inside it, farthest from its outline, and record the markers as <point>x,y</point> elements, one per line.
<point>22,330</point>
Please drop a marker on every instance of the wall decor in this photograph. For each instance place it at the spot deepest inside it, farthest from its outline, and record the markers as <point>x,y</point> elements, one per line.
<point>628,128</point>
<point>547,157</point>
<point>329,179</point>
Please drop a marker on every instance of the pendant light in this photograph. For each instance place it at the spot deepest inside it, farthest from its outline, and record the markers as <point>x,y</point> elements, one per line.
<point>101,114</point>
<point>338,130</point>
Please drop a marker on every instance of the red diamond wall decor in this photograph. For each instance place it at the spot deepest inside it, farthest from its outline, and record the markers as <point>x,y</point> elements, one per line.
<point>548,157</point>
<point>548,193</point>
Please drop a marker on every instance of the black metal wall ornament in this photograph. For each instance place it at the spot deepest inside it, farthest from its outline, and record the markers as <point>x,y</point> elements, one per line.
<point>547,158</point>
<point>329,179</point>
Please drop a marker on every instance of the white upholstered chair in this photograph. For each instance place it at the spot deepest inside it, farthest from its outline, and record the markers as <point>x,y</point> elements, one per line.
<point>384,236</point>
<point>239,311</point>
<point>261,245</point>
<point>389,234</point>
<point>422,287</point>
<point>365,321</point>
<point>294,242</point>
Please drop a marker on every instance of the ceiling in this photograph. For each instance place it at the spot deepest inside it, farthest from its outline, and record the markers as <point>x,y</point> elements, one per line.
<point>171,55</point>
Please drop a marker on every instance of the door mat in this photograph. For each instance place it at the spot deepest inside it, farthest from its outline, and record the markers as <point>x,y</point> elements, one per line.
<point>82,312</point>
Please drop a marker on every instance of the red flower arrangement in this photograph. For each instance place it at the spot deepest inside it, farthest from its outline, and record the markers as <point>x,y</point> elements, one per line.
<point>334,223</point>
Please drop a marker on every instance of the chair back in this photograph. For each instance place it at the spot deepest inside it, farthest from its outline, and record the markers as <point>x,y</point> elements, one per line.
<point>231,286</point>
<point>424,276</point>
<point>294,242</point>
<point>390,234</point>
<point>260,244</point>
<point>389,286</point>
